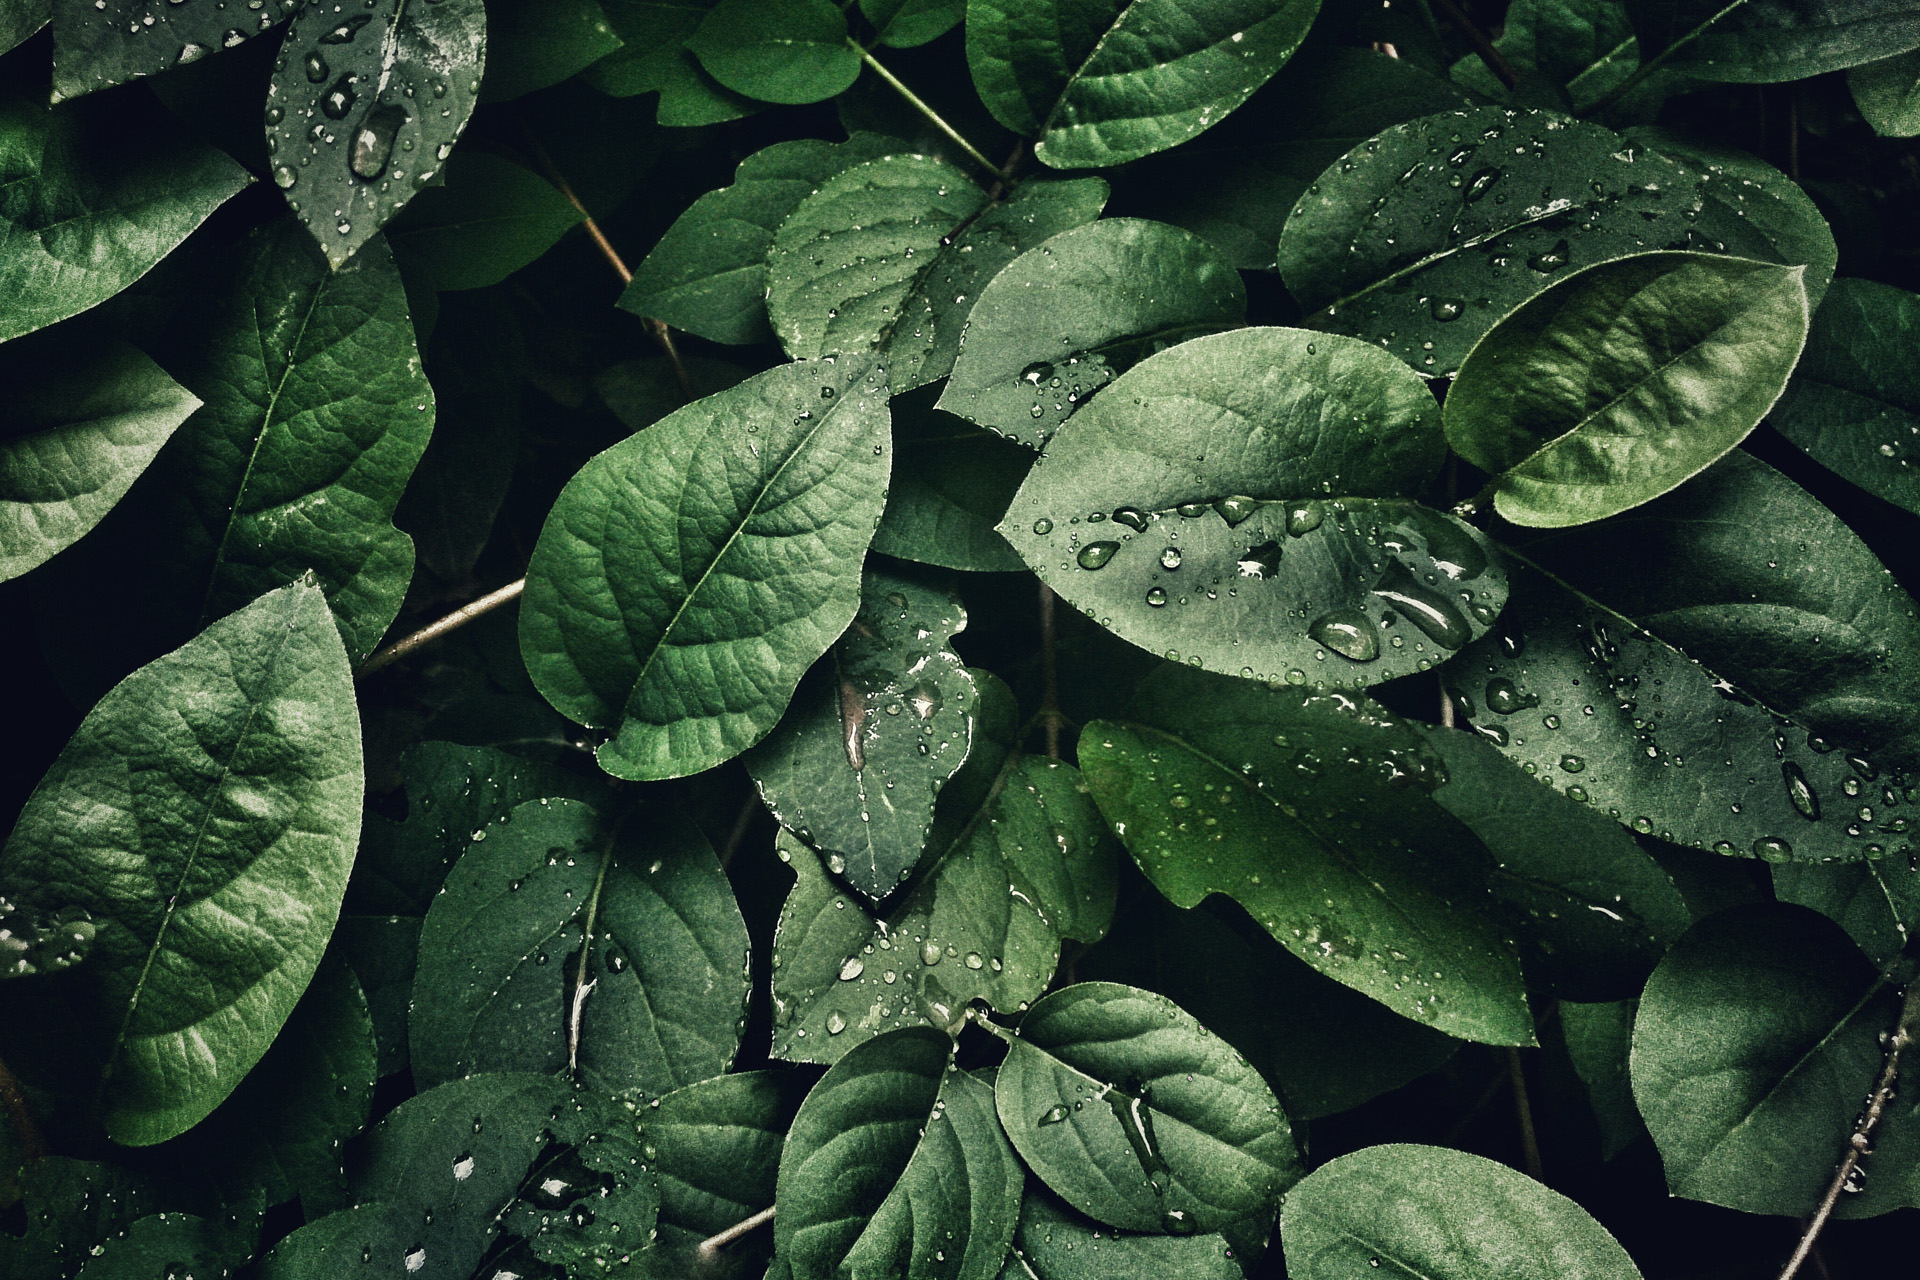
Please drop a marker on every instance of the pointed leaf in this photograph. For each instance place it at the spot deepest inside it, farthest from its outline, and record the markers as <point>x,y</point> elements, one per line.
<point>951,484</point>
<point>96,46</point>
<point>1586,47</point>
<point>537,43</point>
<point>203,817</point>
<point>655,57</point>
<point>1766,41</point>
<point>719,1144</point>
<point>365,107</point>
<point>789,51</point>
<point>1877,903</point>
<point>1055,1243</point>
<point>490,219</point>
<point>904,24</point>
<point>1887,92</point>
<point>687,637</point>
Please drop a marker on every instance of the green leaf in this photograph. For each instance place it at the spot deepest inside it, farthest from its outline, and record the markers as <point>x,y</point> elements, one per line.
<point>71,446</point>
<point>641,392</point>
<point>951,484</point>
<point>655,57</point>
<point>153,1245</point>
<point>1767,41</point>
<point>1064,319</point>
<point>1055,1243</point>
<point>96,46</point>
<point>1586,47</point>
<point>719,1144</point>
<point>888,256</point>
<point>1594,913</point>
<point>1309,810</point>
<point>537,43</point>
<point>897,1155</point>
<point>364,109</point>
<point>1887,92</point>
<point>1625,380</point>
<point>789,51</point>
<point>1598,1038</point>
<point>1107,82</point>
<point>1138,1116</point>
<point>1230,503</point>
<point>1446,1215</point>
<point>1437,228</point>
<point>21,19</point>
<point>69,1206</point>
<point>1753,1047</point>
<point>653,999</point>
<point>1854,402</point>
<point>382,951</point>
<point>42,942</point>
<point>708,274</point>
<point>688,638</point>
<point>203,817</point>
<point>1877,903</point>
<point>1030,866</point>
<point>873,734</point>
<point>905,24</point>
<point>90,200</point>
<point>490,219</point>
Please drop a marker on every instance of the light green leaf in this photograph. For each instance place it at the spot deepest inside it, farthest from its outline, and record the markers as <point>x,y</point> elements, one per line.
<point>1598,1038</point>
<point>1138,1116</point>
<point>537,43</point>
<point>1877,903</point>
<point>1312,811</point>
<point>1055,1243</point>
<point>951,484</point>
<point>1767,41</point>
<point>897,1155</point>
<point>655,57</point>
<point>96,46</point>
<point>905,24</point>
<point>653,999</point>
<point>1854,402</point>
<point>788,51</point>
<point>203,817</point>
<point>1445,1215</point>
<point>1063,320</point>
<point>1437,228</point>
<point>90,200</point>
<point>365,107</point>
<point>75,442</point>
<point>688,637</point>
<point>873,734</point>
<point>719,1144</point>
<point>1887,92</point>
<point>708,274</point>
<point>490,219</point>
<point>1625,380</point>
<point>1230,502</point>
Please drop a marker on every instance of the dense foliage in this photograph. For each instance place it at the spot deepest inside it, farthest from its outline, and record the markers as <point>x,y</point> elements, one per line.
<point>1195,639</point>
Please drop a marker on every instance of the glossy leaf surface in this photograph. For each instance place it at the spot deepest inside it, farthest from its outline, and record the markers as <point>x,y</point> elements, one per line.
<point>96,46</point>
<point>1766,41</point>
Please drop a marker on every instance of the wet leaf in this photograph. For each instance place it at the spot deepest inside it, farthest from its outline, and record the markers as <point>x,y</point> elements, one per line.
<point>1055,1243</point>
<point>96,46</point>
<point>1765,41</point>
<point>490,219</point>
<point>789,51</point>
<point>655,57</point>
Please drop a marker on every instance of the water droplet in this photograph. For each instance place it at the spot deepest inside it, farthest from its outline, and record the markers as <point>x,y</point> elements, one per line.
<point>1131,517</point>
<point>373,141</point>
<point>1261,561</point>
<point>1036,373</point>
<point>1304,517</point>
<point>1236,509</point>
<point>1096,554</point>
<point>1503,697</point>
<point>1551,260</point>
<point>317,69</point>
<point>929,952</point>
<point>1177,1223</point>
<point>1446,310</point>
<point>1043,526</point>
<point>1192,510</point>
<point>1054,1115</point>
<point>975,960</point>
<point>283,177</point>
<point>1156,597</point>
<point>1479,184</point>
<point>852,969</point>
<point>1347,632</point>
<point>337,101</point>
<point>1572,764</point>
<point>1430,611</point>
<point>1799,792</point>
<point>835,1023</point>
<point>1771,849</point>
<point>346,29</point>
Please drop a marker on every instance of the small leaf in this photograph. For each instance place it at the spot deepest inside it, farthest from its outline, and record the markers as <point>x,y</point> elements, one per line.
<point>951,484</point>
<point>719,1142</point>
<point>1887,92</point>
<point>1767,41</point>
<point>906,24</point>
<point>96,46</point>
<point>203,818</point>
<point>875,731</point>
<point>1437,228</point>
<point>73,445</point>
<point>1877,903</point>
<point>688,638</point>
<point>1138,1116</point>
<point>789,51</point>
<point>364,108</point>
<point>1598,1038</point>
<point>1624,380</point>
<point>655,57</point>
<point>537,43</point>
<point>897,1154</point>
<point>1063,320</point>
<point>20,20</point>
<point>641,392</point>
<point>1442,1214</point>
<point>1055,1243</point>
<point>490,219</point>
<point>382,951</point>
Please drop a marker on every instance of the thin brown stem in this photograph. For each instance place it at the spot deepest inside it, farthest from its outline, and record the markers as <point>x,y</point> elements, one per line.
<point>1482,43</point>
<point>434,630</point>
<point>15,1103</point>
<point>933,117</point>
<point>715,1243</point>
<point>741,825</point>
<point>1860,1142</point>
<point>1523,1111</point>
<point>1049,675</point>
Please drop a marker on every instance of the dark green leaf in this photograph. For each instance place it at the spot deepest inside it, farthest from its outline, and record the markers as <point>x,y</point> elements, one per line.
<point>34,943</point>
<point>951,484</point>
<point>719,1144</point>
<point>383,951</point>
<point>93,198</point>
<point>1437,228</point>
<point>1877,903</point>
<point>69,1206</point>
<point>791,51</point>
<point>1445,1215</point>
<point>687,638</point>
<point>1139,1116</point>
<point>1888,94</point>
<point>641,392</point>
<point>156,1245</point>
<point>21,19</point>
<point>98,45</point>
<point>1063,320</point>
<point>1055,1243</point>
<point>537,43</point>
<point>895,1156</point>
<point>490,219</point>
<point>655,57</point>
<point>1765,41</point>
<point>1586,47</point>
<point>903,24</point>
<point>72,445</point>
<point>1598,1038</point>
<point>365,107</point>
<point>874,732</point>
<point>203,817</point>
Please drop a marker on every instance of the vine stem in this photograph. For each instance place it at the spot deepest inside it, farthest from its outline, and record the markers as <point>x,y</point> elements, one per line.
<point>715,1243</point>
<point>1653,64</point>
<point>434,630</point>
<point>1481,42</point>
<point>1523,1110</point>
<point>1861,1140</point>
<point>1050,675</point>
<point>933,117</point>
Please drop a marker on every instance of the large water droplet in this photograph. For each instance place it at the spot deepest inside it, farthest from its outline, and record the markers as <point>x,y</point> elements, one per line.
<point>1054,1115</point>
<point>1502,696</point>
<point>1236,509</point>
<point>835,1023</point>
<point>373,141</point>
<point>852,968</point>
<point>1132,517</point>
<point>1481,183</point>
<point>283,177</point>
<point>317,69</point>
<point>929,952</point>
<point>1156,597</point>
<point>1800,792</point>
<point>347,28</point>
<point>1446,310</point>
<point>1770,849</point>
<point>1036,373</point>
<point>1430,611</point>
<point>1304,517</point>
<point>1096,554</point>
<point>337,101</point>
<point>1347,632</point>
<point>1170,558</point>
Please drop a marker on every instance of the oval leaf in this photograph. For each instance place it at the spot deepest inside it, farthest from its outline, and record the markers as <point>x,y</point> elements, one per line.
<point>790,51</point>
<point>1766,41</point>
<point>96,46</point>
<point>490,219</point>
<point>719,1143</point>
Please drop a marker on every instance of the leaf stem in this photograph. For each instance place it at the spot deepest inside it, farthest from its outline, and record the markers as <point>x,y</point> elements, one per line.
<point>1050,716</point>
<point>1481,42</point>
<point>1653,64</point>
<point>434,630</point>
<point>741,825</point>
<point>1860,1142</point>
<point>715,1243</point>
<point>1523,1110</point>
<point>914,100</point>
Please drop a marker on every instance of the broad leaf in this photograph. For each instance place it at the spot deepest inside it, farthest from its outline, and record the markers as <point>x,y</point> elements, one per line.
<point>1138,1116</point>
<point>1598,1039</point>
<point>1308,809</point>
<point>70,1207</point>
<point>490,219</point>
<point>177,1242</point>
<point>537,43</point>
<point>895,1156</point>
<point>72,445</point>
<point>1584,47</point>
<point>951,484</point>
<point>1877,903</point>
<point>719,1144</point>
<point>1055,1243</point>
<point>687,637</point>
<point>904,24</point>
<point>565,943</point>
<point>1108,82</point>
<point>1887,93</point>
<point>1765,41</point>
<point>1423,237</point>
<point>655,57</point>
<point>90,200</point>
<point>203,818</point>
<point>874,732</point>
<point>1063,320</point>
<point>98,45</point>
<point>790,51</point>
<point>1446,1215</point>
<point>1231,503</point>
<point>1624,380</point>
<point>1854,402</point>
<point>365,107</point>
<point>20,20</point>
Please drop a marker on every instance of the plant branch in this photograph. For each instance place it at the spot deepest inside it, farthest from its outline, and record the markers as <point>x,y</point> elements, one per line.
<point>434,630</point>
<point>715,1243</point>
<point>1860,1142</point>
<point>1523,1109</point>
<point>1050,716</point>
<point>1650,65</point>
<point>1481,42</point>
<point>741,825</point>
<point>914,100</point>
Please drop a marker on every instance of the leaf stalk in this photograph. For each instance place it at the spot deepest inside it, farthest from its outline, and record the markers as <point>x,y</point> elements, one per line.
<point>933,117</point>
